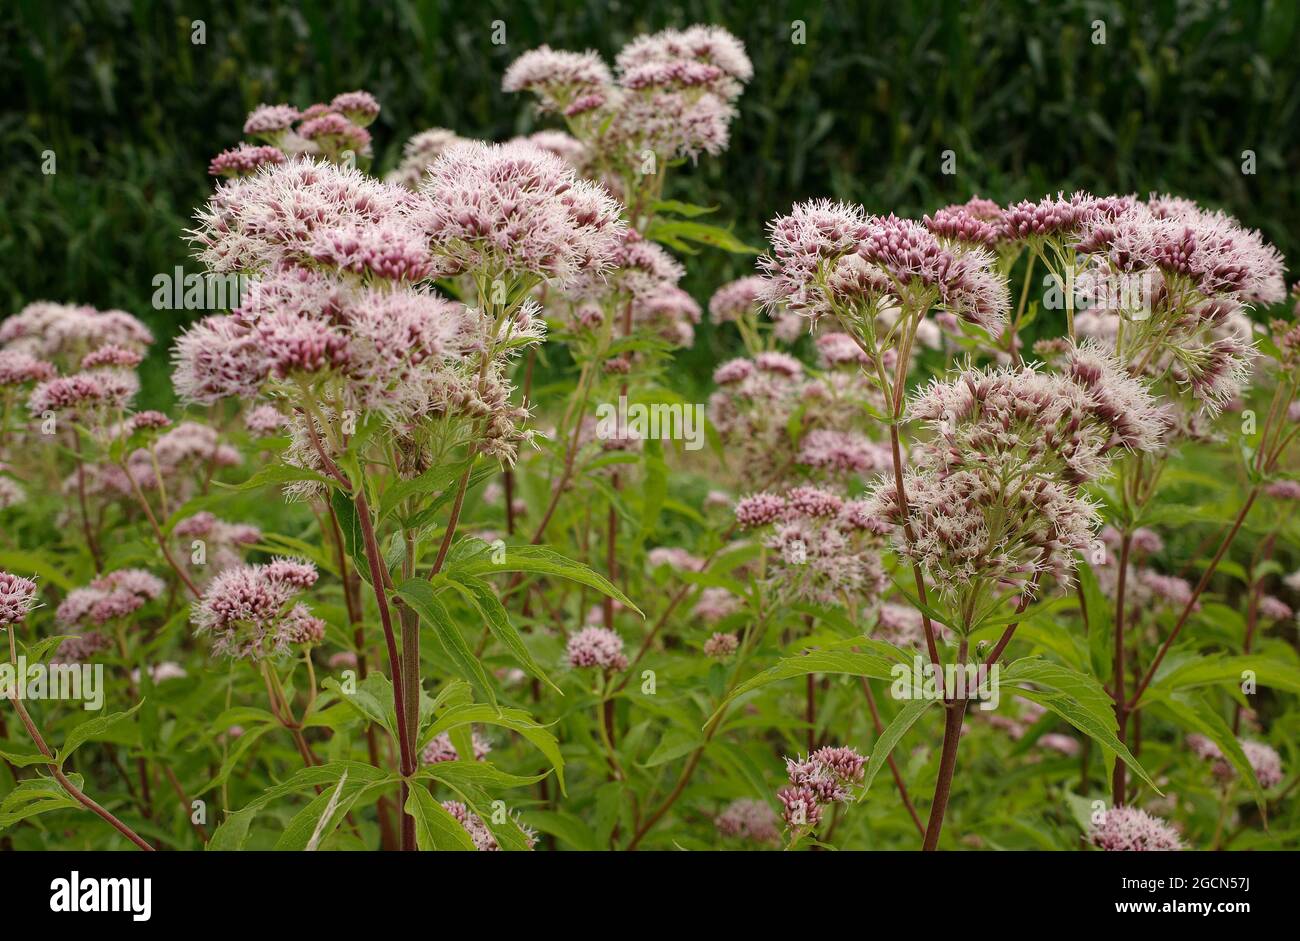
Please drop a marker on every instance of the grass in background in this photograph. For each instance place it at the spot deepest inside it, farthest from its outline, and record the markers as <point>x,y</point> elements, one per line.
<point>864,111</point>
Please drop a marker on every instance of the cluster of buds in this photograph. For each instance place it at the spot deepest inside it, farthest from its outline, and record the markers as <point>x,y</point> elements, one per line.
<point>252,613</point>
<point>825,548</point>
<point>994,496</point>
<point>1128,829</point>
<point>673,97</point>
<point>1264,760</point>
<point>826,776</point>
<point>335,132</point>
<point>596,647</point>
<point>750,820</point>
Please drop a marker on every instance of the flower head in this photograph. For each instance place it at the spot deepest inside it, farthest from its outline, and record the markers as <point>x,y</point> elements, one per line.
<point>244,160</point>
<point>596,647</point>
<point>516,211</point>
<point>17,597</point>
<point>748,819</point>
<point>251,611</point>
<point>1126,829</point>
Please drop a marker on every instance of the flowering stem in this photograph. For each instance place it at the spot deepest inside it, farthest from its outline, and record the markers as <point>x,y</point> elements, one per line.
<point>410,621</point>
<point>352,600</point>
<point>1196,594</point>
<point>453,521</point>
<point>570,454</point>
<point>955,709</point>
<point>158,534</point>
<point>91,543</point>
<point>1121,710</point>
<point>1010,632</point>
<point>67,785</point>
<point>893,765</point>
<point>378,578</point>
<point>1012,346</point>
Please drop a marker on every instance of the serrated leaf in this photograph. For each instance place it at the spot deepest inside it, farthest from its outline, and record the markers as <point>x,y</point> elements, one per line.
<point>537,560</point>
<point>847,662</point>
<point>484,599</point>
<point>278,474</point>
<point>419,594</point>
<point>88,730</point>
<point>435,828</point>
<point>514,719</point>
<point>890,737</point>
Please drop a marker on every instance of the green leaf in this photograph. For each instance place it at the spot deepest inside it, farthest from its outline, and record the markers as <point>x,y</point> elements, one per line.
<point>21,755</point>
<point>565,827</point>
<point>483,597</point>
<point>278,474</point>
<point>353,537</point>
<point>1220,670</point>
<point>890,737</point>
<point>36,796</point>
<point>435,479</point>
<point>675,232</point>
<point>540,561</point>
<point>1078,699</point>
<point>27,562</point>
<point>1191,711</point>
<point>514,719</point>
<point>311,821</point>
<point>674,744</point>
<point>476,774</point>
<point>476,477</point>
<point>872,665</point>
<point>435,828</point>
<point>91,729</point>
<point>420,595</point>
<point>1079,686</point>
<point>233,831</point>
<point>44,647</point>
<point>676,207</point>
<point>372,697</point>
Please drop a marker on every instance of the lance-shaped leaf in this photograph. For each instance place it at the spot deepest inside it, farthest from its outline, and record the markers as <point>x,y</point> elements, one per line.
<point>420,595</point>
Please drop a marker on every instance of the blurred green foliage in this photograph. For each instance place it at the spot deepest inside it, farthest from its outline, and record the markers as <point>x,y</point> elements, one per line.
<point>1018,90</point>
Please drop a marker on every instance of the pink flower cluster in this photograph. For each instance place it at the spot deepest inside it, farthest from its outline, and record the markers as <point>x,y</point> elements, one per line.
<point>596,647</point>
<point>995,493</point>
<point>714,604</point>
<point>674,93</point>
<point>824,777</point>
<point>827,548</point>
<point>516,211</point>
<point>331,131</point>
<point>834,259</point>
<point>109,597</point>
<point>251,613</point>
<point>64,333</point>
<point>1128,829</point>
<point>17,597</point>
<point>748,819</point>
<point>224,542</point>
<point>721,646</point>
<point>1264,760</point>
<point>478,831</point>
<point>441,749</point>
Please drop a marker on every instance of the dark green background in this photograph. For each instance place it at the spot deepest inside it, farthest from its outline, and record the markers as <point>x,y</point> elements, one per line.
<point>863,111</point>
